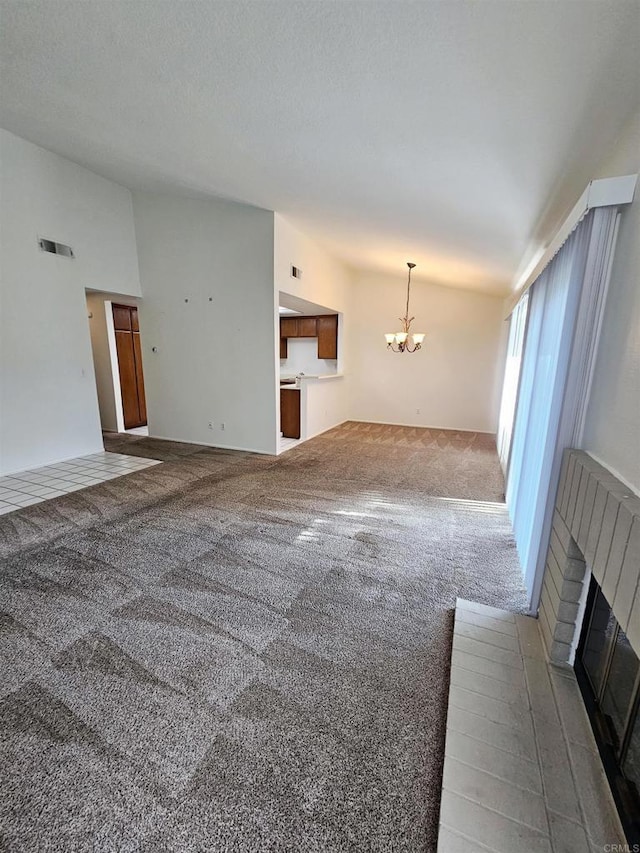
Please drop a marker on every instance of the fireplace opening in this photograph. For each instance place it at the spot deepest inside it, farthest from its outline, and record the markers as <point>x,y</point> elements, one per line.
<point>608,672</point>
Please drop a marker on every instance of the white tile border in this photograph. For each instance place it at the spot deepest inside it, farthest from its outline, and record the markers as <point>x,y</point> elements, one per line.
<point>27,488</point>
<point>525,738</point>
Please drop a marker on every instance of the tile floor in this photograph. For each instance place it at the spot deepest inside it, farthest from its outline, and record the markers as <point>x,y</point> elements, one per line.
<point>521,768</point>
<point>143,430</point>
<point>288,443</point>
<point>40,484</point>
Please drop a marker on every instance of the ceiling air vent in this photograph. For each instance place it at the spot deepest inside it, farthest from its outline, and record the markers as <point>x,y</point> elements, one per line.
<point>55,248</point>
<point>296,272</point>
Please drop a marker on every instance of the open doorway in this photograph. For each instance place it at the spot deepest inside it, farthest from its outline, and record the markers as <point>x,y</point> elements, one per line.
<point>117,356</point>
<point>310,350</point>
<point>129,359</point>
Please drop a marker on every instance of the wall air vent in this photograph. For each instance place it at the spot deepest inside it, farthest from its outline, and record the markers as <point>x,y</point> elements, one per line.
<point>296,272</point>
<point>55,248</point>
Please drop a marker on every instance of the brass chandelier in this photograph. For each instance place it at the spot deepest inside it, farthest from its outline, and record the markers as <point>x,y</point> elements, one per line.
<point>399,341</point>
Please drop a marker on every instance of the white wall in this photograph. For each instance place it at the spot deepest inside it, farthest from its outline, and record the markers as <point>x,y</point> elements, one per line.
<point>324,279</point>
<point>454,380</point>
<point>48,408</point>
<point>302,357</point>
<point>613,419</point>
<point>323,404</point>
<point>206,268</point>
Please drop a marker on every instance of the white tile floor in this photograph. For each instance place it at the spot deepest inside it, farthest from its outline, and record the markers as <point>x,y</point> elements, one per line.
<point>288,443</point>
<point>521,767</point>
<point>40,484</point>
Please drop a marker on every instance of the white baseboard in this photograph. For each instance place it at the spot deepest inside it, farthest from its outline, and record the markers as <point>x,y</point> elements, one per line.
<point>420,426</point>
<point>216,446</point>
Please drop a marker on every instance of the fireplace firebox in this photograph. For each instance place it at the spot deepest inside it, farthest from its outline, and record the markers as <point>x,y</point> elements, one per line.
<point>608,672</point>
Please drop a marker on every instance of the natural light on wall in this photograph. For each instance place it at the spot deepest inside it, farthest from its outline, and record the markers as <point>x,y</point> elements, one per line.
<point>517,327</point>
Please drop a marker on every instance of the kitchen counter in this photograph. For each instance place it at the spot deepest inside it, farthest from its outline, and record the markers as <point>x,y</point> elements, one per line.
<point>308,376</point>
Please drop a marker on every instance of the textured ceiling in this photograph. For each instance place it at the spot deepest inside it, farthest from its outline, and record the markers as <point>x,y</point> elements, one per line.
<point>448,133</point>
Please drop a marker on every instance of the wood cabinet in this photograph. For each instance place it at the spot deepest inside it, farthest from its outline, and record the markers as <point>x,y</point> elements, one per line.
<point>328,336</point>
<point>307,327</point>
<point>324,328</point>
<point>298,327</point>
<point>288,327</point>
<point>290,412</point>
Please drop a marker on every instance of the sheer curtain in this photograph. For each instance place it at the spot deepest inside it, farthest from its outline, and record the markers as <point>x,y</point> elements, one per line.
<point>565,303</point>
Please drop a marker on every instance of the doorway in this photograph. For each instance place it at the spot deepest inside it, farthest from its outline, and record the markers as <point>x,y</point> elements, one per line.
<point>114,328</point>
<point>129,353</point>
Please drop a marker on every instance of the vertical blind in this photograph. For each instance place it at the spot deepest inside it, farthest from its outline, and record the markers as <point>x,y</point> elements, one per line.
<point>552,387</point>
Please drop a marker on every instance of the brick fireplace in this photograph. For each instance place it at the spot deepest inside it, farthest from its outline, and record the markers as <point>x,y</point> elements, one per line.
<point>596,525</point>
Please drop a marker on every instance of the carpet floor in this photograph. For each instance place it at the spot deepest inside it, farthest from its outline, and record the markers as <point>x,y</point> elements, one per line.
<point>233,652</point>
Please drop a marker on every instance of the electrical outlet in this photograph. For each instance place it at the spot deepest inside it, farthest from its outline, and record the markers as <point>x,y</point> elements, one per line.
<point>210,425</point>
<point>222,425</point>
<point>417,411</point>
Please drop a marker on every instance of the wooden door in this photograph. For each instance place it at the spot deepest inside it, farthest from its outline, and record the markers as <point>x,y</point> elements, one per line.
<point>328,336</point>
<point>127,329</point>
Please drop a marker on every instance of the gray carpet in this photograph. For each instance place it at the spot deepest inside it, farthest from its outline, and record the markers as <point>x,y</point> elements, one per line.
<point>231,652</point>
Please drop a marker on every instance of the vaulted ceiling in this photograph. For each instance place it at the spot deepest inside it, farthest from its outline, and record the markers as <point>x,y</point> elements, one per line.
<point>448,133</point>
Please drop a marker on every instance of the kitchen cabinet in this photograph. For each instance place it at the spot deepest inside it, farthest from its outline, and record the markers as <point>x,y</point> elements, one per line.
<point>288,327</point>
<point>298,327</point>
<point>307,327</point>
<point>328,336</point>
<point>290,412</point>
<point>324,328</point>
